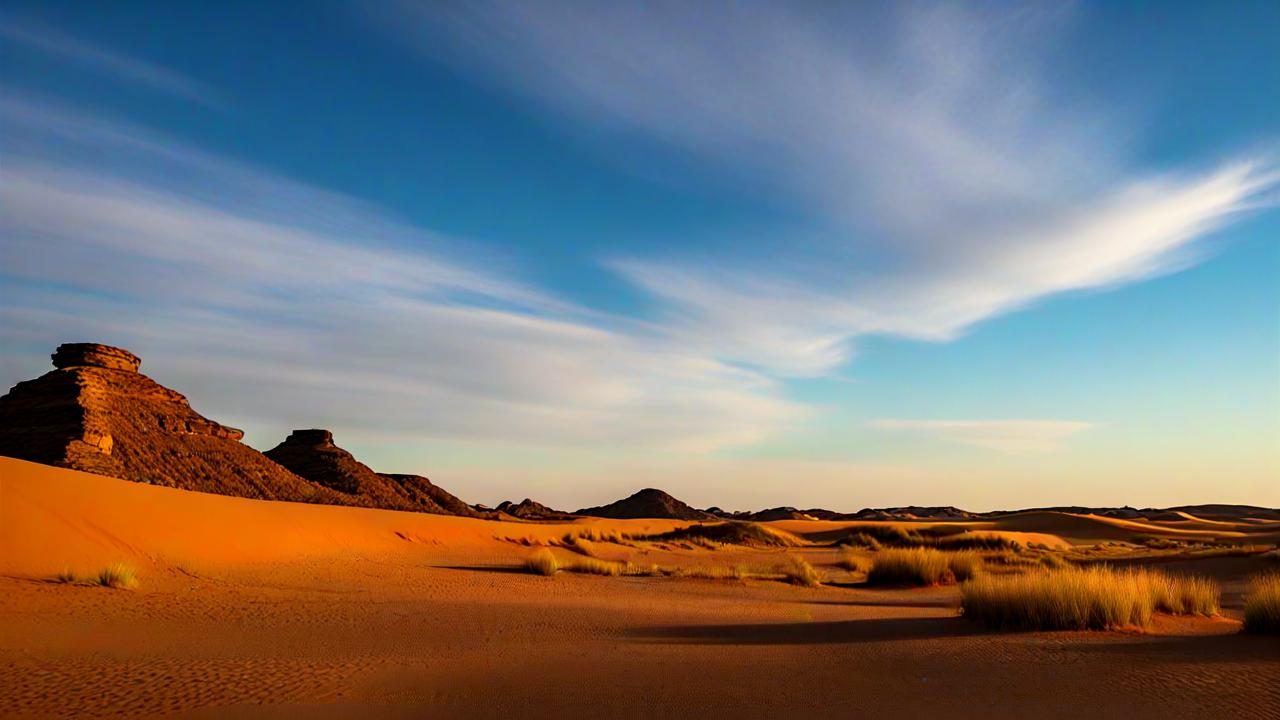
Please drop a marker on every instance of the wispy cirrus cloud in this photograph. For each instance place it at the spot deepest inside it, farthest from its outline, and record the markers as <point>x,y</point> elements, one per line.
<point>926,137</point>
<point>123,66</point>
<point>1007,436</point>
<point>286,305</point>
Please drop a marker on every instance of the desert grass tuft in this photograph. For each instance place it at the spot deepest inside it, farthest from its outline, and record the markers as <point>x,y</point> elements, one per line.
<point>864,540</point>
<point>1094,598</point>
<point>965,565</point>
<point>852,561</point>
<point>797,571</point>
<point>118,575</point>
<point>542,562</point>
<point>734,532</point>
<point>911,566</point>
<point>1262,605</point>
<point>1054,562</point>
<point>66,577</point>
<point>1183,595</point>
<point>595,566</point>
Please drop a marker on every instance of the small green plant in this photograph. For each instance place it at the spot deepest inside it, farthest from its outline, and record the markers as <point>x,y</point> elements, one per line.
<point>1262,605</point>
<point>118,575</point>
<point>542,562</point>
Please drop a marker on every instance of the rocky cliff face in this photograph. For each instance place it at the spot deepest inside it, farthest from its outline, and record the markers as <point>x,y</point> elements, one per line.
<point>96,413</point>
<point>313,455</point>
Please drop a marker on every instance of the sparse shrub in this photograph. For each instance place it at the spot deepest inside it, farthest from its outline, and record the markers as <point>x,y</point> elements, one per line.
<point>712,572</point>
<point>874,536</point>
<point>965,565</point>
<point>118,575</point>
<point>733,532</point>
<point>1156,542</point>
<point>1094,598</point>
<point>890,535</point>
<point>542,562</point>
<point>580,545</point>
<point>593,566</point>
<point>650,570</point>
<point>65,577</point>
<point>850,560</point>
<point>1009,558</point>
<point>798,571</point>
<point>1183,595</point>
<point>1054,562</point>
<point>911,566</point>
<point>1262,605</point>
<point>968,541</point>
<point>863,540</point>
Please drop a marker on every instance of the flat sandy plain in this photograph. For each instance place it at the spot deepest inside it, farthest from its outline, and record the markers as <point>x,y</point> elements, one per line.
<point>264,609</point>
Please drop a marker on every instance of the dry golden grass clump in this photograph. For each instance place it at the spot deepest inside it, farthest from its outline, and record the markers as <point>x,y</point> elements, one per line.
<point>1262,605</point>
<point>542,562</point>
<point>66,576</point>
<point>863,540</point>
<point>728,533</point>
<point>580,545</point>
<point>875,536</point>
<point>1054,562</point>
<point>911,566</point>
<point>1183,595</point>
<point>713,572</point>
<point>594,566</point>
<point>852,561</point>
<point>965,565</point>
<point>798,571</point>
<point>1094,598</point>
<point>118,575</point>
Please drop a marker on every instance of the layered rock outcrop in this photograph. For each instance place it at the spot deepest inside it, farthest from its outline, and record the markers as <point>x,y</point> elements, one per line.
<point>313,455</point>
<point>96,413</point>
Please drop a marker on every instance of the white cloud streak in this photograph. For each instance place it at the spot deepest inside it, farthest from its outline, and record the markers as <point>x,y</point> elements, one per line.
<point>1015,437</point>
<point>926,135</point>
<point>116,64</point>
<point>289,307</point>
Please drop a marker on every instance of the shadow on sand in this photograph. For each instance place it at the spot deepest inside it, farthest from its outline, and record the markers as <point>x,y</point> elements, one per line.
<point>512,569</point>
<point>809,633</point>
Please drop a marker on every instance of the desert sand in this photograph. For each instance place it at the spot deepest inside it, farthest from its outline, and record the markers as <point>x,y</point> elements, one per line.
<point>270,609</point>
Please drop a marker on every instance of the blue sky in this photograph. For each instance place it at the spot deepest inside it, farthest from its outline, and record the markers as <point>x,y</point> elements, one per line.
<point>989,255</point>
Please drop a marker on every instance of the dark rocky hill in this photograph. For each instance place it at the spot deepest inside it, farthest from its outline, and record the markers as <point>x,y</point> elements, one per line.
<point>648,503</point>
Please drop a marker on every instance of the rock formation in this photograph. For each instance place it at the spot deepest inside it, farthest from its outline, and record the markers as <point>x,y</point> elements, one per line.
<point>95,412</point>
<point>780,513</point>
<point>313,455</point>
<point>648,503</point>
<point>531,510</point>
<point>416,488</point>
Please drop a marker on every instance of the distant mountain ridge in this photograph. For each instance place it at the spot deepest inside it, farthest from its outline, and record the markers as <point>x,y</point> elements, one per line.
<point>96,412</point>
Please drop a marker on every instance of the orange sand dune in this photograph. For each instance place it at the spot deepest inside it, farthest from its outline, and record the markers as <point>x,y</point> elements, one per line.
<point>249,608</point>
<point>828,531</point>
<point>52,519</point>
